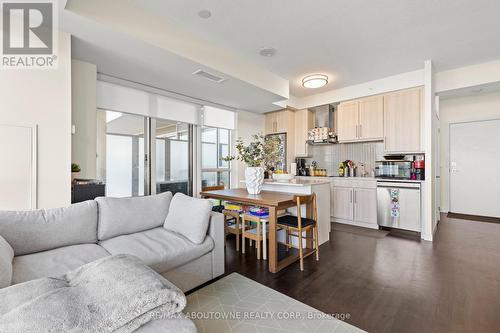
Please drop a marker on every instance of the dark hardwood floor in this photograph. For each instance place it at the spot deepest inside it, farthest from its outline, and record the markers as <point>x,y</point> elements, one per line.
<point>390,283</point>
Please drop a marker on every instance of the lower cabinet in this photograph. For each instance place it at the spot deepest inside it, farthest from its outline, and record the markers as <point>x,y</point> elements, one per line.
<point>342,203</point>
<point>355,202</point>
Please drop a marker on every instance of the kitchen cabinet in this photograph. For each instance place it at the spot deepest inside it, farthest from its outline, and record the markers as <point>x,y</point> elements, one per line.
<point>342,198</point>
<point>365,205</point>
<point>347,121</point>
<point>402,117</point>
<point>304,121</point>
<point>371,118</point>
<point>279,122</point>
<point>354,201</point>
<point>283,122</point>
<point>361,120</point>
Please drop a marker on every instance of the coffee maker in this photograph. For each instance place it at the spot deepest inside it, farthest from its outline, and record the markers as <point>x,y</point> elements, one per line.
<point>301,166</point>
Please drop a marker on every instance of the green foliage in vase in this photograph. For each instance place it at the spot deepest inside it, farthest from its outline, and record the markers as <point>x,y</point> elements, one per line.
<point>260,152</point>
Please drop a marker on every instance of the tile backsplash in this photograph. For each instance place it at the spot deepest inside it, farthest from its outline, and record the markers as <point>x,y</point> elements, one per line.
<point>330,156</point>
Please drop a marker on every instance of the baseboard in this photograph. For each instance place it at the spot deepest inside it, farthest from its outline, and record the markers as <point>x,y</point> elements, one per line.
<point>473,218</point>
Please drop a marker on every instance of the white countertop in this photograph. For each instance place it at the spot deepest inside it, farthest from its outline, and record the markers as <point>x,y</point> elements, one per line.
<point>298,182</point>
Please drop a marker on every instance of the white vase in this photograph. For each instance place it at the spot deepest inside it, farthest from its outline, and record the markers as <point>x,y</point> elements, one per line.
<point>254,178</point>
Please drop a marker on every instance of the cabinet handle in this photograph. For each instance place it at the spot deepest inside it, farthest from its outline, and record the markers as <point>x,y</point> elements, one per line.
<point>357,131</point>
<point>355,199</point>
<point>352,193</point>
<point>360,127</point>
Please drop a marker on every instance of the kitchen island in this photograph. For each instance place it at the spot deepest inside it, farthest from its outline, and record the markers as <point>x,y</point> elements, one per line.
<point>307,186</point>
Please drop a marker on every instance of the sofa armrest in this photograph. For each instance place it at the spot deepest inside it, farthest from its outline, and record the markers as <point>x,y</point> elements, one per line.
<point>216,231</point>
<point>6,256</point>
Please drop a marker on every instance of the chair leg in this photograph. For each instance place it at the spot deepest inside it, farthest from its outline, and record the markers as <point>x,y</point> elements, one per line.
<point>257,241</point>
<point>301,254</point>
<point>317,241</point>
<point>243,237</point>
<point>237,234</point>
<point>264,241</point>
<point>287,240</point>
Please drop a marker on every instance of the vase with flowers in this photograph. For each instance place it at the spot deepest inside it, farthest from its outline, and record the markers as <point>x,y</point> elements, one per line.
<point>262,152</point>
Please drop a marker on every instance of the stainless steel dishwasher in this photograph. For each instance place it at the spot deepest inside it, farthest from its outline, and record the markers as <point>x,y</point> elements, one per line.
<point>399,205</point>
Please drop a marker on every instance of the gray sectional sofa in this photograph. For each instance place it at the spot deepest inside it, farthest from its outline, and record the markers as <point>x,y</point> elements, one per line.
<point>179,237</point>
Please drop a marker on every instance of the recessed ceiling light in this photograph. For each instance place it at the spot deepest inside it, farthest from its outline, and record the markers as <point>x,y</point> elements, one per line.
<point>204,13</point>
<point>315,81</point>
<point>267,51</point>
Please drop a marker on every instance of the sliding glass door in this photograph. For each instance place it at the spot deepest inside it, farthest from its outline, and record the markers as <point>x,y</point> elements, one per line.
<point>173,140</point>
<point>140,155</point>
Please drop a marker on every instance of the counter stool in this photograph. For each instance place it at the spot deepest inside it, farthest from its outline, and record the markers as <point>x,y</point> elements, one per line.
<point>296,225</point>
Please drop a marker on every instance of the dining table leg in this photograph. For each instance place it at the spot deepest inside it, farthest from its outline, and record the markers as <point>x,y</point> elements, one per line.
<point>273,244</point>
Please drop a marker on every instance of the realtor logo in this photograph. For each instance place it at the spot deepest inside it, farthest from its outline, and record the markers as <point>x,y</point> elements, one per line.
<point>28,34</point>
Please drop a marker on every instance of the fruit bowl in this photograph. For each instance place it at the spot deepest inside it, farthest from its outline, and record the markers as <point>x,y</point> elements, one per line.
<point>282,177</point>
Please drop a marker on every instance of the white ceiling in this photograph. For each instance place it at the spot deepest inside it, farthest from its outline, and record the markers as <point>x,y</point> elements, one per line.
<point>352,41</point>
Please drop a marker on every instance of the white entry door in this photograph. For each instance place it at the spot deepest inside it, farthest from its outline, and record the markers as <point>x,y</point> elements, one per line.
<point>474,168</point>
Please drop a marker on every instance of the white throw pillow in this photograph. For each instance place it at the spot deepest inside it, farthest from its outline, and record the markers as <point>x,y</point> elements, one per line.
<point>189,217</point>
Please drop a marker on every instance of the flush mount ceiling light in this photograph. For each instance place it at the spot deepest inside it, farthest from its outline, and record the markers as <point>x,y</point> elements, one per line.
<point>204,13</point>
<point>267,51</point>
<point>315,81</point>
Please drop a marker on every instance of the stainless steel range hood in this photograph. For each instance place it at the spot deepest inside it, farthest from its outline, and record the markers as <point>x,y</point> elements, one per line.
<point>323,116</point>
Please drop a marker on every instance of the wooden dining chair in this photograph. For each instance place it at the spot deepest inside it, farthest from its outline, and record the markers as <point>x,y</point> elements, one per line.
<point>219,207</point>
<point>257,233</point>
<point>232,219</point>
<point>295,226</point>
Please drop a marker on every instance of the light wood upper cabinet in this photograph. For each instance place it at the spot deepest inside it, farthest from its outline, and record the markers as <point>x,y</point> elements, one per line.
<point>402,117</point>
<point>283,122</point>
<point>361,120</point>
<point>304,121</point>
<point>371,118</point>
<point>270,123</point>
<point>347,121</point>
<point>279,122</point>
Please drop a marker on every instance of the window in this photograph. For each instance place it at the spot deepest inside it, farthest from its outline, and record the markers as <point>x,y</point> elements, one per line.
<point>121,155</point>
<point>215,144</point>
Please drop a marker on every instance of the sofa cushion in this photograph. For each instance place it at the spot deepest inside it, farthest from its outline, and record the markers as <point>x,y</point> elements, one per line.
<point>55,262</point>
<point>158,248</point>
<point>122,216</point>
<point>40,230</point>
<point>6,255</point>
<point>189,217</point>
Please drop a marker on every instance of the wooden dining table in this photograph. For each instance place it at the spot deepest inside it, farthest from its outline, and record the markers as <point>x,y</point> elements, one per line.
<point>274,202</point>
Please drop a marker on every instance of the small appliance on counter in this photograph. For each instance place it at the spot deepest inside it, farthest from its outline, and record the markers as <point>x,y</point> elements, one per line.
<point>301,167</point>
<point>401,167</point>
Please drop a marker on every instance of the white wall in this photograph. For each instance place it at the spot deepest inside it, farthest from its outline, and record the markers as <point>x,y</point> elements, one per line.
<point>248,124</point>
<point>43,97</point>
<point>462,109</point>
<point>83,117</point>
